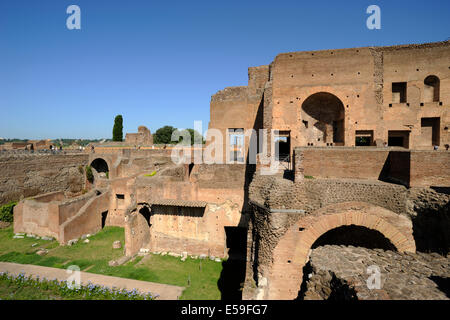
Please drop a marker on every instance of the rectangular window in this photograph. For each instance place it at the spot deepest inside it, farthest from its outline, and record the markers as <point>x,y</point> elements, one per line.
<point>120,201</point>
<point>283,145</point>
<point>399,92</point>
<point>430,131</point>
<point>398,138</point>
<point>236,144</point>
<point>364,138</point>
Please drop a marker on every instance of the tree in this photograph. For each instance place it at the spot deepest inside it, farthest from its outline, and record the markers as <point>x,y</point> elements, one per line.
<point>163,135</point>
<point>118,128</point>
<point>194,135</point>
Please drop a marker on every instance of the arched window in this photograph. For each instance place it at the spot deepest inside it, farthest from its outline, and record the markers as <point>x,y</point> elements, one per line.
<point>325,112</point>
<point>431,89</point>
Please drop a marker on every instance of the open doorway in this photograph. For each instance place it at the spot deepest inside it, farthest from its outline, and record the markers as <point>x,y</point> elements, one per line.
<point>104,217</point>
<point>282,145</point>
<point>398,138</point>
<point>232,277</point>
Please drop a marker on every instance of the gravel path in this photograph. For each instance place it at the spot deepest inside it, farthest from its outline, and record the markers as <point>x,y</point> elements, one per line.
<point>165,291</point>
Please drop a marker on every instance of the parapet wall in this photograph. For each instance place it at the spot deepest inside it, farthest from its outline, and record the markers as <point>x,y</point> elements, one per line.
<point>32,174</point>
<point>340,162</point>
<point>408,167</point>
<point>430,168</point>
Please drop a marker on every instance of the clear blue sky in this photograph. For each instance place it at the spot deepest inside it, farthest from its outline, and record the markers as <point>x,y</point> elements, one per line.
<point>158,62</point>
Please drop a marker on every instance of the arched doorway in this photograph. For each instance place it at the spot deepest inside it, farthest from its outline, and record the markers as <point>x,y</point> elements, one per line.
<point>323,118</point>
<point>341,237</point>
<point>363,224</point>
<point>353,235</point>
<point>101,167</point>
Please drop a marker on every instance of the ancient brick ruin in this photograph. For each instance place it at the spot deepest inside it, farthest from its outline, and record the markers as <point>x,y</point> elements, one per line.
<point>355,133</point>
<point>142,137</point>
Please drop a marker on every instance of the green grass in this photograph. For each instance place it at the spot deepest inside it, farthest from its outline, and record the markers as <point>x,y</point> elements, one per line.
<point>22,287</point>
<point>20,292</point>
<point>200,277</point>
<point>309,177</point>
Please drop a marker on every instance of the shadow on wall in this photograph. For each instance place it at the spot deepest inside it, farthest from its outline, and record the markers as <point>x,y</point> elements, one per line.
<point>232,277</point>
<point>443,284</point>
<point>431,229</point>
<point>396,168</point>
<point>336,288</point>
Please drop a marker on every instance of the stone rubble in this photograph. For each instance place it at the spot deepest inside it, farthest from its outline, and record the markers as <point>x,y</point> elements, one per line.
<point>348,270</point>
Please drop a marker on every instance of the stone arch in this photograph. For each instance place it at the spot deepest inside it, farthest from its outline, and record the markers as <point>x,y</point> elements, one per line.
<point>353,235</point>
<point>431,89</point>
<point>101,167</point>
<point>138,229</point>
<point>323,116</point>
<point>293,249</point>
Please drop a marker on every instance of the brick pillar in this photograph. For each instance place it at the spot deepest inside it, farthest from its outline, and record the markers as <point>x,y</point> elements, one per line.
<point>298,165</point>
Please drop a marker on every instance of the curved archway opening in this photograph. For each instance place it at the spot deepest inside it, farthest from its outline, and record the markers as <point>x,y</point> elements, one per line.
<point>101,166</point>
<point>145,212</point>
<point>326,115</point>
<point>356,236</point>
<point>347,235</point>
<point>431,90</point>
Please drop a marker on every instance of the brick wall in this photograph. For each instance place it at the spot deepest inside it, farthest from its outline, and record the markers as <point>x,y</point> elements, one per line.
<point>430,168</point>
<point>341,162</point>
<point>29,175</point>
<point>412,168</point>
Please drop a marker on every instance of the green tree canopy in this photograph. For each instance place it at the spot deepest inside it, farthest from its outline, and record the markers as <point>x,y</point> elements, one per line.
<point>194,135</point>
<point>118,128</point>
<point>163,135</point>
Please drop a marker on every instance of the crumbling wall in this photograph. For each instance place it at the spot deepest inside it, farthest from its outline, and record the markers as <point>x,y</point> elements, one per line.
<point>37,217</point>
<point>43,215</point>
<point>88,219</point>
<point>180,229</point>
<point>403,276</point>
<point>277,205</point>
<point>142,137</point>
<point>312,194</point>
<point>32,174</point>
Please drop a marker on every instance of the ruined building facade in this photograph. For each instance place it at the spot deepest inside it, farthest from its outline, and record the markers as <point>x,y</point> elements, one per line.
<point>372,96</point>
<point>142,137</point>
<point>358,128</point>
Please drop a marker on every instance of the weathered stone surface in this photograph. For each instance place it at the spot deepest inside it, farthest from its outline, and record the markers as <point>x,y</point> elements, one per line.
<point>42,252</point>
<point>31,174</point>
<point>403,276</point>
<point>117,244</point>
<point>72,242</point>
